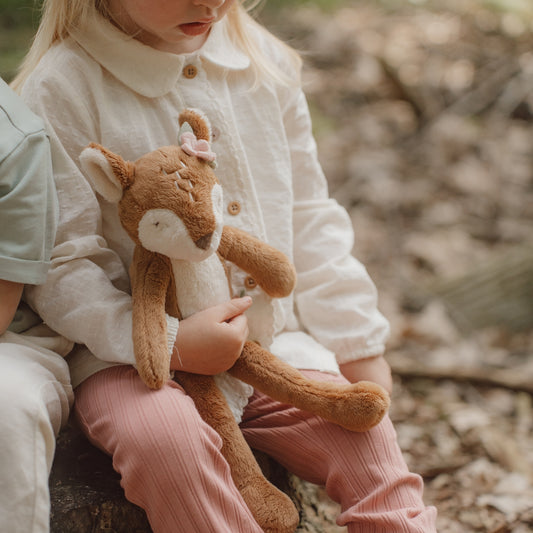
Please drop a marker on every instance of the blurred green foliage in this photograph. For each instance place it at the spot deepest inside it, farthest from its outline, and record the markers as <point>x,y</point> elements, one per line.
<point>18,21</point>
<point>17,13</point>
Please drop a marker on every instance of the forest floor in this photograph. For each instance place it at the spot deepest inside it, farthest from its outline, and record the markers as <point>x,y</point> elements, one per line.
<point>424,120</point>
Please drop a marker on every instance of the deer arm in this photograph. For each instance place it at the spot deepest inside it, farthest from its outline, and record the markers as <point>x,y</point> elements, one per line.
<point>150,275</point>
<point>355,406</point>
<point>269,267</point>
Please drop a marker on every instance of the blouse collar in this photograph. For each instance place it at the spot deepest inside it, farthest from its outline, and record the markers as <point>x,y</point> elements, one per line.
<point>153,73</point>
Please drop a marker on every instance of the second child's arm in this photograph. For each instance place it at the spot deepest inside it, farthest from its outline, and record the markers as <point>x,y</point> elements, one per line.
<point>10,293</point>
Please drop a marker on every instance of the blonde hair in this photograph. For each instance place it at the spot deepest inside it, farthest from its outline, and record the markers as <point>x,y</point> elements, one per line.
<point>244,27</point>
<point>59,17</point>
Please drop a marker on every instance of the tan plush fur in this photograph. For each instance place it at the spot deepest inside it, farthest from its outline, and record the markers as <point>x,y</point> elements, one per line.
<point>170,203</point>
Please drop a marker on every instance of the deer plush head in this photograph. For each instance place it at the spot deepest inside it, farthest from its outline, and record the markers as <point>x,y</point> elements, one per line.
<point>181,217</point>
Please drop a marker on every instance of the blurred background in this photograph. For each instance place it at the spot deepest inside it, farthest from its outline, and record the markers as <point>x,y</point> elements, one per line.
<point>423,114</point>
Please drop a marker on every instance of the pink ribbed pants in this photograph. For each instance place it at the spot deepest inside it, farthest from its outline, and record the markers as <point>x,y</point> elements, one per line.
<point>171,465</point>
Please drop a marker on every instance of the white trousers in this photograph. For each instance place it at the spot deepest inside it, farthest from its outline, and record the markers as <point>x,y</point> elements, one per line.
<point>35,397</point>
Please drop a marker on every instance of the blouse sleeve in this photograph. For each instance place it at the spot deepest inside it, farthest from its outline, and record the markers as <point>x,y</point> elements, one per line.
<point>85,297</point>
<point>335,298</point>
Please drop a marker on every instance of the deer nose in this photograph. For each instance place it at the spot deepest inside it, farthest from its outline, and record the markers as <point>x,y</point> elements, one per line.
<point>205,241</point>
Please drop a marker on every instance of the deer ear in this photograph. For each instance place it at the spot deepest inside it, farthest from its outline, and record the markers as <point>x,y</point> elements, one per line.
<point>185,127</point>
<point>196,121</point>
<point>107,172</point>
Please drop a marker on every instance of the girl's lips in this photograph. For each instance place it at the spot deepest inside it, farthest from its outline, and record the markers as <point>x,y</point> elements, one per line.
<point>195,28</point>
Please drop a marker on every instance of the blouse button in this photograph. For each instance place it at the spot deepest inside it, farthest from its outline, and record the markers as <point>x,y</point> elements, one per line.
<point>215,134</point>
<point>190,71</point>
<point>234,208</point>
<point>250,283</point>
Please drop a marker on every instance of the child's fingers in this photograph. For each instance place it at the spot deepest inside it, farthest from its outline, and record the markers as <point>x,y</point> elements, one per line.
<point>231,309</point>
<point>239,324</point>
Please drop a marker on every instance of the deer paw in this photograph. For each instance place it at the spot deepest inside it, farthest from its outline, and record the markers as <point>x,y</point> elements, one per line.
<point>360,406</point>
<point>272,509</point>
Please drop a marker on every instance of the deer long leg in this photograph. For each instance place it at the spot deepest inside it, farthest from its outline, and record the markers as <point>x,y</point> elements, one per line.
<point>272,509</point>
<point>150,279</point>
<point>356,407</point>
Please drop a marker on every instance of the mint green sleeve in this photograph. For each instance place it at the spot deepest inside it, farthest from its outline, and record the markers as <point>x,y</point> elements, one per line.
<point>28,203</point>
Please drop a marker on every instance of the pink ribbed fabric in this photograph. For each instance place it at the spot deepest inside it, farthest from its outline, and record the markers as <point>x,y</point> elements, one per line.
<point>364,472</point>
<point>169,459</point>
<point>171,465</point>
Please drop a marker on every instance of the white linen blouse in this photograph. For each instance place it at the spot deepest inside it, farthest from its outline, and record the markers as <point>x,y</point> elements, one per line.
<point>101,86</point>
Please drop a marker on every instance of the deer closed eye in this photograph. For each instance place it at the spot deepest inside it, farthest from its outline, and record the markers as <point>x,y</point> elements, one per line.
<point>185,185</point>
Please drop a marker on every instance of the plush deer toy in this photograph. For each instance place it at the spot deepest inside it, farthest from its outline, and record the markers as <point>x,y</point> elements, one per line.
<point>170,203</point>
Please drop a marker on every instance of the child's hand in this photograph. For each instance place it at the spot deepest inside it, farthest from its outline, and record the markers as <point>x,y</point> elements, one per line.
<point>210,341</point>
<point>374,369</point>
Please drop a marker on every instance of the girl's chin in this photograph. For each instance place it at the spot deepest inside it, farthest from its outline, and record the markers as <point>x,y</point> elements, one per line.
<point>178,43</point>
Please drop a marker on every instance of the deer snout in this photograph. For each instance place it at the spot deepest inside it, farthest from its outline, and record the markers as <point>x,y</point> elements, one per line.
<point>204,242</point>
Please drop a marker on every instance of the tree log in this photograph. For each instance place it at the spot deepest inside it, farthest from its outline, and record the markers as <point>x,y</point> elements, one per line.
<point>85,491</point>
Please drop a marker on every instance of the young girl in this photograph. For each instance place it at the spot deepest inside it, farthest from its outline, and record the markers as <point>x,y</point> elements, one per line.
<point>118,72</point>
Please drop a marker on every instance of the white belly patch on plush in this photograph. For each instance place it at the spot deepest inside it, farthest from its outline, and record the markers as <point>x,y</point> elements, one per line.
<point>200,285</point>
